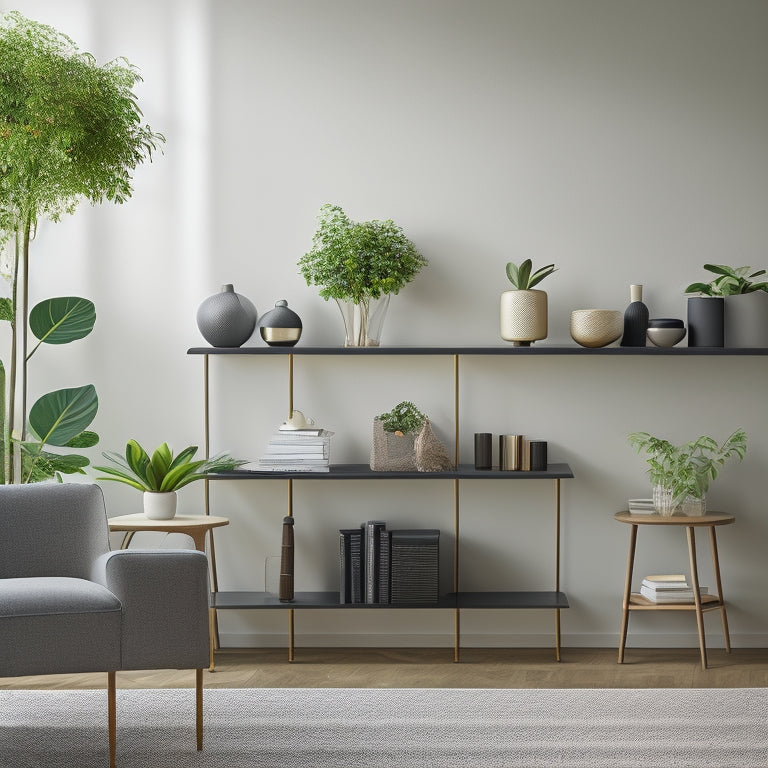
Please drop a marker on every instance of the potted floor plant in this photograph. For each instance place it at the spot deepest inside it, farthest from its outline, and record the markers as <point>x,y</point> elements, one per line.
<point>360,265</point>
<point>160,475</point>
<point>681,474</point>
<point>523,311</point>
<point>744,305</point>
<point>70,129</point>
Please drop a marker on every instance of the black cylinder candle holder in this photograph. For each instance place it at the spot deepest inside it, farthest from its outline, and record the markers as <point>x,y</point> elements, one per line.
<point>483,450</point>
<point>538,455</point>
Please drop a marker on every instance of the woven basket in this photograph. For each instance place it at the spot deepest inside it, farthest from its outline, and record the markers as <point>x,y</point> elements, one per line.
<point>596,327</point>
<point>392,452</point>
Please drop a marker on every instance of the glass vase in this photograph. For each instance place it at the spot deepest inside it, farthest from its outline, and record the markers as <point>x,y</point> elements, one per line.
<point>662,501</point>
<point>694,507</point>
<point>363,320</point>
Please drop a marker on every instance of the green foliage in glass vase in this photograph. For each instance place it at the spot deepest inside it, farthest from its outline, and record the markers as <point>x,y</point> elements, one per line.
<point>687,469</point>
<point>352,261</point>
<point>404,417</point>
<point>162,471</point>
<point>730,281</point>
<point>69,130</point>
<point>522,277</point>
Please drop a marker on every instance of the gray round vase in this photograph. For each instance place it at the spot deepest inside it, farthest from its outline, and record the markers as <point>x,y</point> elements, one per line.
<point>280,327</point>
<point>226,319</point>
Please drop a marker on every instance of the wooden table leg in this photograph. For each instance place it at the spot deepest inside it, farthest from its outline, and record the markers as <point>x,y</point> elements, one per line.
<point>718,583</point>
<point>696,594</point>
<point>627,592</point>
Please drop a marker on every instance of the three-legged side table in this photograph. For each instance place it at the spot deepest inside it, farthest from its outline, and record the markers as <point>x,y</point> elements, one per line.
<point>701,603</point>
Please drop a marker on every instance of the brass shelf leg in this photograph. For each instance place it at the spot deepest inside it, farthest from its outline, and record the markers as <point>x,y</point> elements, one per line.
<point>719,585</point>
<point>627,592</point>
<point>557,566</point>
<point>696,595</point>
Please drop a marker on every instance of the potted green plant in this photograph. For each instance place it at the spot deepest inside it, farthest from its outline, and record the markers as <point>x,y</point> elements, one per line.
<point>394,438</point>
<point>681,474</point>
<point>160,475</point>
<point>360,265</point>
<point>70,130</point>
<point>524,309</point>
<point>743,303</point>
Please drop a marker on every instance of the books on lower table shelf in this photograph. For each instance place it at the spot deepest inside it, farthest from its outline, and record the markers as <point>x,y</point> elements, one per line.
<point>302,450</point>
<point>669,588</point>
<point>378,566</point>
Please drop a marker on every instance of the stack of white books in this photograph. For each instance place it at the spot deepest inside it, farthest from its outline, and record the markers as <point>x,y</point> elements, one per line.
<point>641,506</point>
<point>669,588</point>
<point>297,450</point>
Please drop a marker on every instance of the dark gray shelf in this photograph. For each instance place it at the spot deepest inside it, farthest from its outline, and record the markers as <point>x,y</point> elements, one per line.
<point>364,472</point>
<point>543,349</point>
<point>329,600</point>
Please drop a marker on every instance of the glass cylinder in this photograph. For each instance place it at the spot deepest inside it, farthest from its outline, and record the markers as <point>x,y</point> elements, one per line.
<point>363,320</point>
<point>662,500</point>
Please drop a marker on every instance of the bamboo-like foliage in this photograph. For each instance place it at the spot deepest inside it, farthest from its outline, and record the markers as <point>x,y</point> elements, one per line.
<point>69,130</point>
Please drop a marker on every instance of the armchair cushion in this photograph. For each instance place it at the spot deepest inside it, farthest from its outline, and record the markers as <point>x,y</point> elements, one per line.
<point>82,617</point>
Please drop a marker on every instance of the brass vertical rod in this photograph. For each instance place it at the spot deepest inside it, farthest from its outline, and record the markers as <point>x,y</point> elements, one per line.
<point>290,503</point>
<point>557,566</point>
<point>457,610</point>
<point>215,640</point>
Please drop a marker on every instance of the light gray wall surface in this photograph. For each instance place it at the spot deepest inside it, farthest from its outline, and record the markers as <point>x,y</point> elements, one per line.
<point>627,142</point>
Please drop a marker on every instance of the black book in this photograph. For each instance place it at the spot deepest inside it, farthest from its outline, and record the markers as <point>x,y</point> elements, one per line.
<point>351,565</point>
<point>385,583</point>
<point>373,529</point>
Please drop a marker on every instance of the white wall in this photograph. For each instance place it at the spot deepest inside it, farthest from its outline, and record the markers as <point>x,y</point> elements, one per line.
<point>624,141</point>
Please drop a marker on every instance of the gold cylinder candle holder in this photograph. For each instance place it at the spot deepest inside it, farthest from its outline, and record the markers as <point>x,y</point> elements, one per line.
<point>510,452</point>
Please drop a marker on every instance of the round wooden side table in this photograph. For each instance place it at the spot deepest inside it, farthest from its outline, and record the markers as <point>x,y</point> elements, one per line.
<point>701,603</point>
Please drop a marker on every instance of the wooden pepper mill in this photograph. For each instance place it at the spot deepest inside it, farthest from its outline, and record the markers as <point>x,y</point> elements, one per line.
<point>286,562</point>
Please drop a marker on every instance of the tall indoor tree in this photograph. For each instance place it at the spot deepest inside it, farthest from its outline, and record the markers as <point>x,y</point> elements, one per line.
<point>70,129</point>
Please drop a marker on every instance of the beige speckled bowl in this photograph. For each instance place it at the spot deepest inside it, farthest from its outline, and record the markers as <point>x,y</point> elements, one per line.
<point>596,327</point>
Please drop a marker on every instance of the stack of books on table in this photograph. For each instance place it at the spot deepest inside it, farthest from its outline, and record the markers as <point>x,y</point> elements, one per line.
<point>669,588</point>
<point>641,506</point>
<point>297,450</point>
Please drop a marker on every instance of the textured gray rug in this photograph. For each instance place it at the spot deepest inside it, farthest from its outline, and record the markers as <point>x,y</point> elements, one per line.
<point>391,728</point>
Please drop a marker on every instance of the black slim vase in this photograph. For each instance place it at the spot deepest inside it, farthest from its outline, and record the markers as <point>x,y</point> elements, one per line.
<point>635,319</point>
<point>706,327</point>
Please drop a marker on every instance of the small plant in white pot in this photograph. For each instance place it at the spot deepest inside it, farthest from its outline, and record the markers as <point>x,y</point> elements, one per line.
<point>162,474</point>
<point>523,312</point>
<point>681,474</point>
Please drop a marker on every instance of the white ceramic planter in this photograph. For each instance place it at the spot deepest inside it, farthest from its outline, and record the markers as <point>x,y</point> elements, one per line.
<point>160,506</point>
<point>523,316</point>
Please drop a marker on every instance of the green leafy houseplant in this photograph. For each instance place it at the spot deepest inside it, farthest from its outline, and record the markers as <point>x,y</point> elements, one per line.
<point>162,472</point>
<point>522,277</point>
<point>404,417</point>
<point>730,281</point>
<point>358,262</point>
<point>69,130</point>
<point>687,469</point>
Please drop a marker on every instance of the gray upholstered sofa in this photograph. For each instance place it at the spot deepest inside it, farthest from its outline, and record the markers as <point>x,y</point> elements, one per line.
<point>68,604</point>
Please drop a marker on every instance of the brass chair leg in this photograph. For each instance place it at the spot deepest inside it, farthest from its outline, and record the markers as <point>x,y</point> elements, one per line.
<point>199,707</point>
<point>112,717</point>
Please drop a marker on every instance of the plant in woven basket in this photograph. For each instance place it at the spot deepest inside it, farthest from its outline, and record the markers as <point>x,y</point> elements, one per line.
<point>522,276</point>
<point>523,310</point>
<point>404,417</point>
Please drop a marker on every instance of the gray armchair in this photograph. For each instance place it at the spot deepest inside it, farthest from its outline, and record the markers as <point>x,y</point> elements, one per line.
<point>68,604</point>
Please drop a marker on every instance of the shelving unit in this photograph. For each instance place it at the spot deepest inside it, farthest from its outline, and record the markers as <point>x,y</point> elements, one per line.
<point>456,600</point>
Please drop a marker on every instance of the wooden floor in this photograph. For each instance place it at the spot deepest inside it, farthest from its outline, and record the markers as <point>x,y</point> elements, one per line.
<point>434,668</point>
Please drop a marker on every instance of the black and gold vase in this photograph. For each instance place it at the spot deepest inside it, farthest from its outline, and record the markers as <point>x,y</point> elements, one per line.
<point>635,319</point>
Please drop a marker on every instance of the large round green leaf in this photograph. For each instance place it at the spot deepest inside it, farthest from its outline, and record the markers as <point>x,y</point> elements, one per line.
<point>63,319</point>
<point>61,415</point>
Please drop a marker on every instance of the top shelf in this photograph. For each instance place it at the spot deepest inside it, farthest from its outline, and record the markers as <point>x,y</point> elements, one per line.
<point>543,349</point>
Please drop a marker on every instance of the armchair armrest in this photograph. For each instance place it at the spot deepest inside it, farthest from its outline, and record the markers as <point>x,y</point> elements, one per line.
<point>165,597</point>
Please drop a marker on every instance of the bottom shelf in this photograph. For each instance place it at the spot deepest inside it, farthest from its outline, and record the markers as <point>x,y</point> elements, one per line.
<point>328,600</point>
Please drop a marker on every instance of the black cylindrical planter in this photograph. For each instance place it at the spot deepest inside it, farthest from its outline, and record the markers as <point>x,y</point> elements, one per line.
<point>705,321</point>
<point>483,450</point>
<point>538,450</point>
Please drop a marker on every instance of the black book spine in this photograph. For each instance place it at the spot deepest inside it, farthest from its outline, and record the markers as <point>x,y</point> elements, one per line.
<point>357,559</point>
<point>345,567</point>
<point>373,530</point>
<point>385,583</point>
